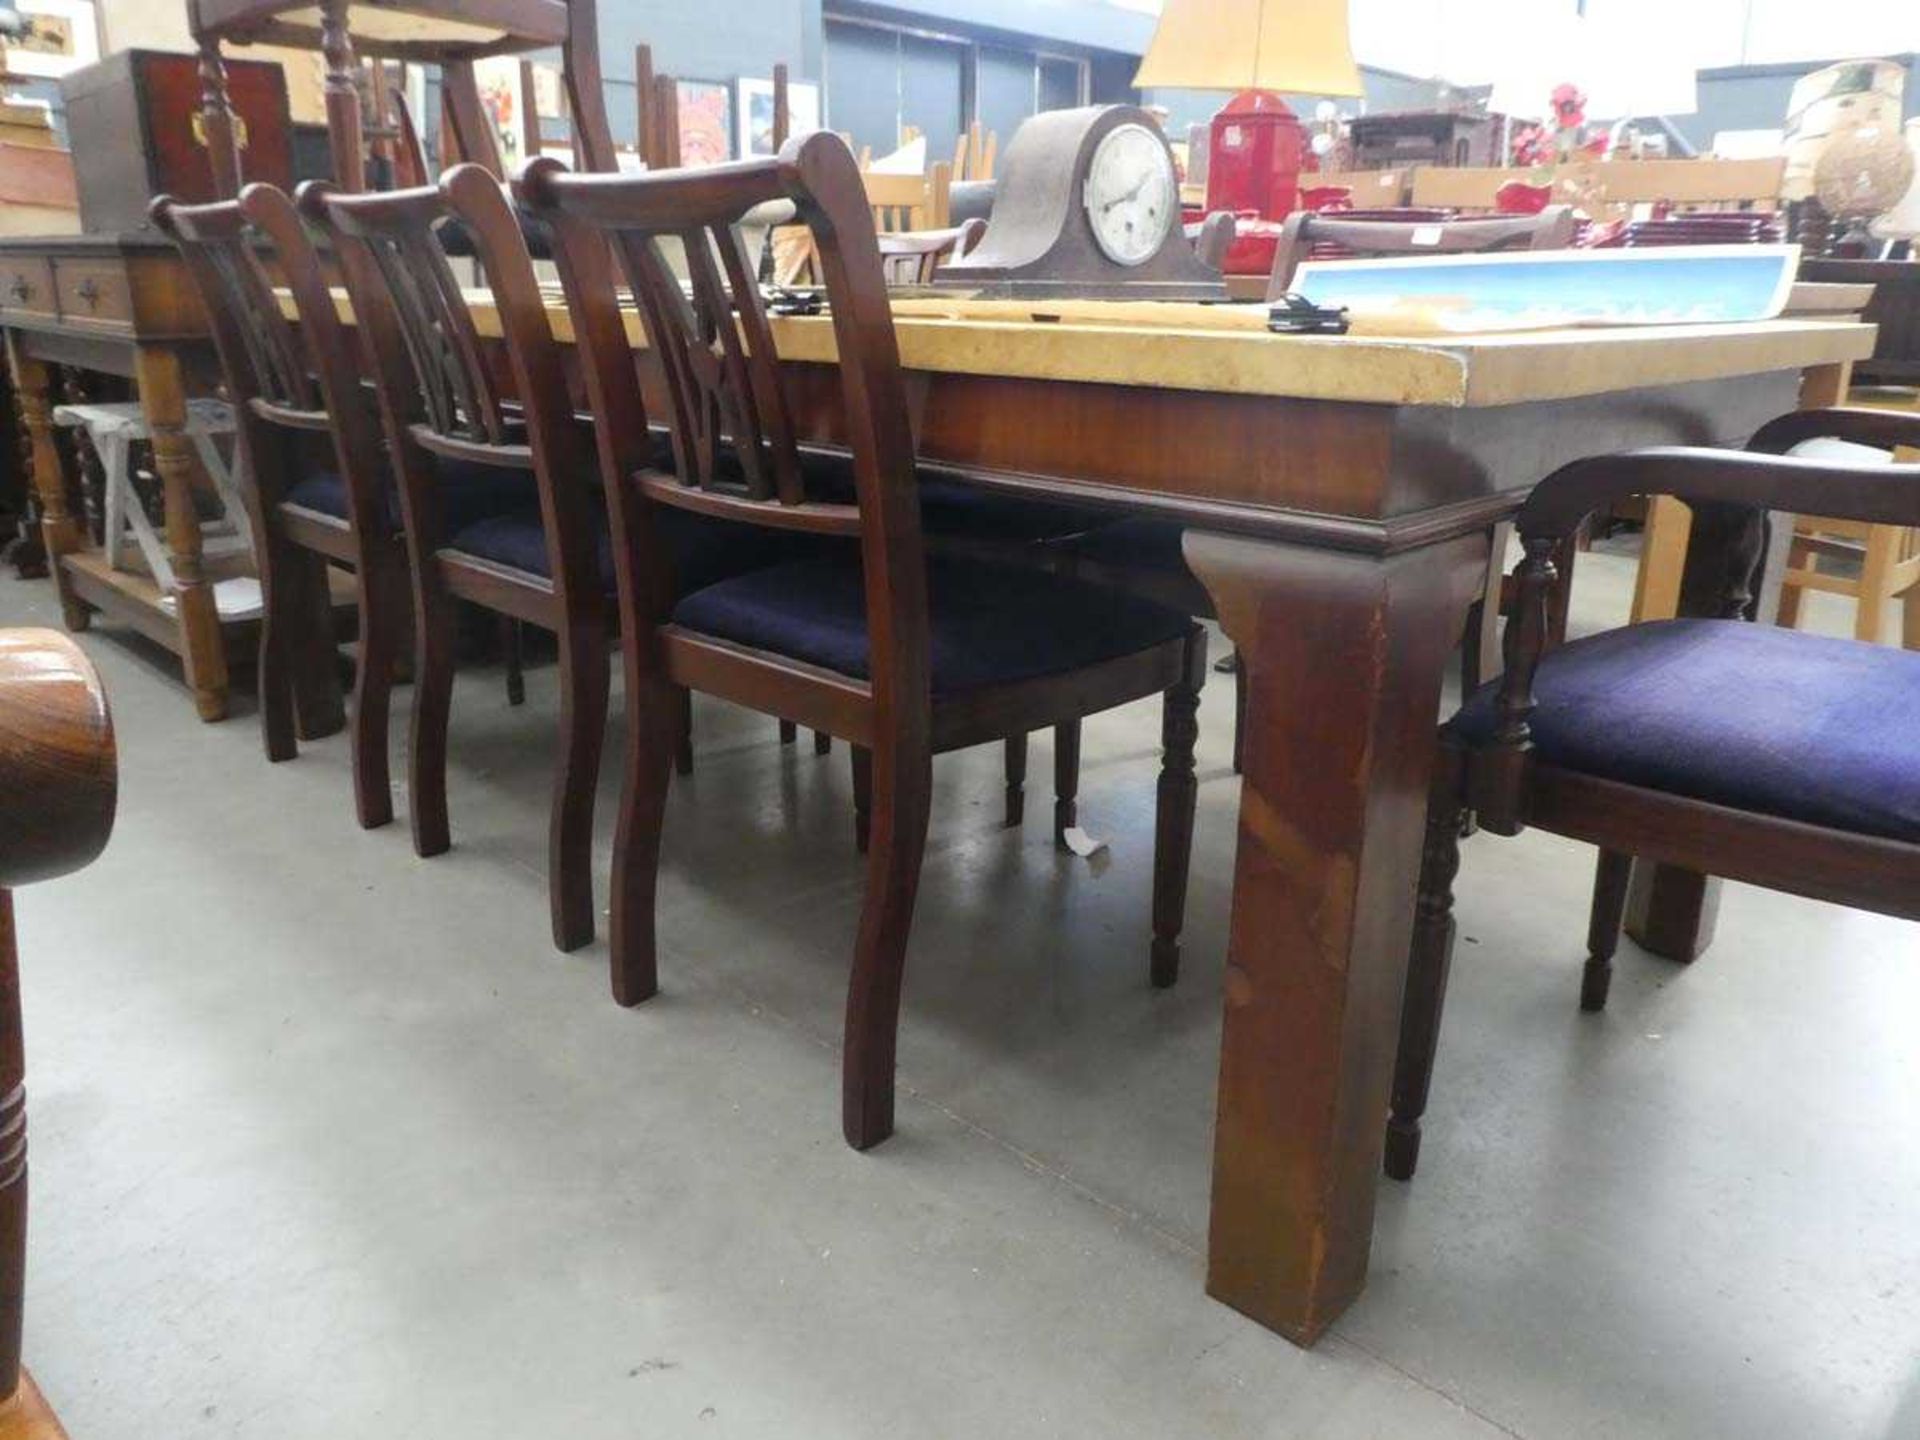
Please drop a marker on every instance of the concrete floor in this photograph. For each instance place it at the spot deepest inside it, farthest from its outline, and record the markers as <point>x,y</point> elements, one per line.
<point>328,1141</point>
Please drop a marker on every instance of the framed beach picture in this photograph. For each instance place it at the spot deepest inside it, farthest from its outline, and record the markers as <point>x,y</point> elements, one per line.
<point>706,121</point>
<point>753,112</point>
<point>61,36</point>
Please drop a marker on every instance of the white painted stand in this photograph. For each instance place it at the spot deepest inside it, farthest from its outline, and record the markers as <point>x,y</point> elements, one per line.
<point>113,430</point>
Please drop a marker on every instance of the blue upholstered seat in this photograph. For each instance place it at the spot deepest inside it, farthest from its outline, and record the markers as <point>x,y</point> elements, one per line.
<point>989,624</point>
<point>1802,727</point>
<point>468,493</point>
<point>704,550</point>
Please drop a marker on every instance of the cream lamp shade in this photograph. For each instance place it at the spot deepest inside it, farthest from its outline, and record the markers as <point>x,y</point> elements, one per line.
<point>1299,45</point>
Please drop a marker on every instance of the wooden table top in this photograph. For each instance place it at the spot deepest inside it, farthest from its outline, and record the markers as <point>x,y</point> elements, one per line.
<point>1226,349</point>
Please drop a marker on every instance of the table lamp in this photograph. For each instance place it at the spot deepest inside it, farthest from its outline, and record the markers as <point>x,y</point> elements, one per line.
<point>1257,146</point>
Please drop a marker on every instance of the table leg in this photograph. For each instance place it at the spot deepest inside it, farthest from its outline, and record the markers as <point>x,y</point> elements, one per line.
<point>202,651</point>
<point>60,529</point>
<point>1345,655</point>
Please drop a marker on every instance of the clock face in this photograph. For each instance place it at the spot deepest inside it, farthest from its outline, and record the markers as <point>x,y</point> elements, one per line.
<point>1131,196</point>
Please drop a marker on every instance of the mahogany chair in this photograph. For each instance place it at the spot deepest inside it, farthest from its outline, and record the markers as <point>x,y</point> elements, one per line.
<point>319,490</point>
<point>546,562</point>
<point>449,33</point>
<point>1304,232</point>
<point>902,654</point>
<point>1765,755</point>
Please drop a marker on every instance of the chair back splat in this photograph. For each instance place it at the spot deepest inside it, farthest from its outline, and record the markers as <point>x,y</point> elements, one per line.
<point>440,398</point>
<point>728,411</point>
<point>309,381</point>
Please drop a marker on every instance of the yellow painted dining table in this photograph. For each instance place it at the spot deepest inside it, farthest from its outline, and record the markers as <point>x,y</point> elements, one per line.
<point>1339,493</point>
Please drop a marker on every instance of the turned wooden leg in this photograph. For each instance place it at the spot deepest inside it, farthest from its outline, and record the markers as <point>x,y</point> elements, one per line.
<point>513,649</point>
<point>1612,876</point>
<point>862,762</point>
<point>1428,964</point>
<point>1016,767</point>
<point>163,398</point>
<point>1239,716</point>
<point>902,783</point>
<point>61,531</point>
<point>1175,800</point>
<point>583,723</point>
<point>13,1153</point>
<point>1066,780</point>
<point>683,735</point>
<point>432,704</point>
<point>1345,655</point>
<point>319,704</point>
<point>789,732</point>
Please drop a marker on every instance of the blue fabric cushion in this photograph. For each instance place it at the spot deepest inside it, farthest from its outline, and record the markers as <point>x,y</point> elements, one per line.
<point>468,493</point>
<point>1803,727</point>
<point>1137,543</point>
<point>704,550</point>
<point>989,624</point>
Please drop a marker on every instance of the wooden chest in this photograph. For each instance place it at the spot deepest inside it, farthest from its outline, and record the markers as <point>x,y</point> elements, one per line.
<point>132,129</point>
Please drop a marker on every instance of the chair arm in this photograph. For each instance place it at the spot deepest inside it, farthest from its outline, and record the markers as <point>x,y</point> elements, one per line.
<point>58,771</point>
<point>1881,494</point>
<point>1883,429</point>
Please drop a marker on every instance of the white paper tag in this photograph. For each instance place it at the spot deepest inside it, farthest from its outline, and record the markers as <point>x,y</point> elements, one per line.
<point>1425,235</point>
<point>1081,843</point>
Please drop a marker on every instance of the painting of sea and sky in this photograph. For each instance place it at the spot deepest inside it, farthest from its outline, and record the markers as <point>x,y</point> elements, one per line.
<point>1534,290</point>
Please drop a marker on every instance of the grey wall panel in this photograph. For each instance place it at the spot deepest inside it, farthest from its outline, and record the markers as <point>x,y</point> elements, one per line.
<point>863,85</point>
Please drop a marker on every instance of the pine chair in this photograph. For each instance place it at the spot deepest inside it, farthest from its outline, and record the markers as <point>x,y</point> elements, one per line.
<point>901,654</point>
<point>545,562</point>
<point>1759,754</point>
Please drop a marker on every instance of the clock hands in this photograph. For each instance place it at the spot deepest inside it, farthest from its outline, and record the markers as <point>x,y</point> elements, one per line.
<point>1138,186</point>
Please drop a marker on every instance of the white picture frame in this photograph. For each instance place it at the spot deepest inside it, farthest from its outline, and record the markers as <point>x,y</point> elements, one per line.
<point>63,36</point>
<point>753,113</point>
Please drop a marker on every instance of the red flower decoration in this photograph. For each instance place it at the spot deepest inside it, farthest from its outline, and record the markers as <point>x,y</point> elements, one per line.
<point>1569,107</point>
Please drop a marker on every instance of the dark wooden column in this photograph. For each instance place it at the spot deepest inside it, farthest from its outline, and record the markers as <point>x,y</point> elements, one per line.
<point>342,97</point>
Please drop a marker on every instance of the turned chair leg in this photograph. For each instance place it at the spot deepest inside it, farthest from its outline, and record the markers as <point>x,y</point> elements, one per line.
<point>902,793</point>
<point>1239,712</point>
<point>1016,765</point>
<point>789,732</point>
<point>683,734</point>
<point>319,706</point>
<point>1066,779</point>
<point>1173,816</point>
<point>652,710</point>
<point>279,621</point>
<point>1427,967</point>
<point>583,723</point>
<point>513,648</point>
<point>1611,878</point>
<point>432,700</point>
<point>862,762</point>
<point>382,586</point>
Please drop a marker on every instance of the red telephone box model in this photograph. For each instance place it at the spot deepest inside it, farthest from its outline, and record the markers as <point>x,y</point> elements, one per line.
<point>1257,153</point>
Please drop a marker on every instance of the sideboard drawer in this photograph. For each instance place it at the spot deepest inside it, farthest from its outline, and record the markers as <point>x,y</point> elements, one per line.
<point>26,285</point>
<point>90,291</point>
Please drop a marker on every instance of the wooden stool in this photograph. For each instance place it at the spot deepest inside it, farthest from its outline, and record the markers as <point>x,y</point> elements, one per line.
<point>1888,556</point>
<point>114,429</point>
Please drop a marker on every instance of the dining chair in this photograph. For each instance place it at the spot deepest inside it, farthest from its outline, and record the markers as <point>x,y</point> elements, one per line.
<point>547,561</point>
<point>902,653</point>
<point>318,487</point>
<point>1764,755</point>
